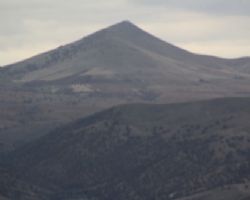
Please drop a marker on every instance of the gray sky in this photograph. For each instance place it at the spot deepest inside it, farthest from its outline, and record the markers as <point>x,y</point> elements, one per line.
<point>218,27</point>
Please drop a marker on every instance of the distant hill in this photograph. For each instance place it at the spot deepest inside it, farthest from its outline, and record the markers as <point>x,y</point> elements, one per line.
<point>117,65</point>
<point>144,152</point>
<point>123,61</point>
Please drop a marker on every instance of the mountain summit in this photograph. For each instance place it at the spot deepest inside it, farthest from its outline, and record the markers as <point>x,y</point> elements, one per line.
<point>124,24</point>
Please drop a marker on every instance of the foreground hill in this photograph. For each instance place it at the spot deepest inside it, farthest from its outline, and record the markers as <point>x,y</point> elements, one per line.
<point>13,188</point>
<point>143,152</point>
<point>117,65</point>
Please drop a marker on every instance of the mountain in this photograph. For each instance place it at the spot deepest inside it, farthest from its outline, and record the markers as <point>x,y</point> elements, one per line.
<point>124,61</point>
<point>117,65</point>
<point>185,151</point>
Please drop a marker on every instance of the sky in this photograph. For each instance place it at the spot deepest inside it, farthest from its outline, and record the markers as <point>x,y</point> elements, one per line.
<point>214,27</point>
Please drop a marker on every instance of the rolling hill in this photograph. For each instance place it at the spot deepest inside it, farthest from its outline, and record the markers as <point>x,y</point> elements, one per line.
<point>185,151</point>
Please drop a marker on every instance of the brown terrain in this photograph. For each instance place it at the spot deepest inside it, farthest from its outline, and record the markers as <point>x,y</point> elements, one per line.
<point>170,140</point>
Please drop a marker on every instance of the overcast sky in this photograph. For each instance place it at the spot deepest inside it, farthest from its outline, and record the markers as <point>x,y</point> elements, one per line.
<point>218,27</point>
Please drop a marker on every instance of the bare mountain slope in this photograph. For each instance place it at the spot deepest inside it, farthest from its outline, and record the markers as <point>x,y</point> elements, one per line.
<point>136,62</point>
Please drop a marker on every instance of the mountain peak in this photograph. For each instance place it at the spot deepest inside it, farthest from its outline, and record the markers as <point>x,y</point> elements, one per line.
<point>124,25</point>
<point>124,29</point>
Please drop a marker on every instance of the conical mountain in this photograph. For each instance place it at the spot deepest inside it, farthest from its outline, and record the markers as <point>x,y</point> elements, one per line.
<point>121,47</point>
<point>122,50</point>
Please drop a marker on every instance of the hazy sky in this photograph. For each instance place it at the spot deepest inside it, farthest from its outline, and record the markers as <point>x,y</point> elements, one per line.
<point>219,27</point>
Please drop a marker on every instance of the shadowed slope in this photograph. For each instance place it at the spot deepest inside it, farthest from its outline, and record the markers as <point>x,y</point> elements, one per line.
<point>145,152</point>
